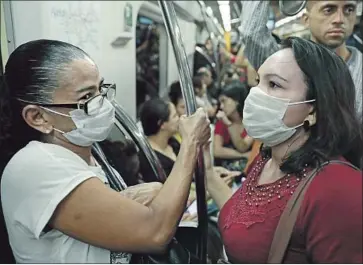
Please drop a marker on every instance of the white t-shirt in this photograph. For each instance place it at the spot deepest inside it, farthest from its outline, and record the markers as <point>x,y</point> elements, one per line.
<point>34,182</point>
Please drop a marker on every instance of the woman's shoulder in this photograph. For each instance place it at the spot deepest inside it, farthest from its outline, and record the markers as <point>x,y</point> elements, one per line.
<point>36,147</point>
<point>335,186</point>
<point>39,160</point>
<point>35,153</point>
<point>331,215</point>
<point>337,177</point>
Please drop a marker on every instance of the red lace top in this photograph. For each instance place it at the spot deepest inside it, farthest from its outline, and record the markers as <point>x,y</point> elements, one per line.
<point>328,228</point>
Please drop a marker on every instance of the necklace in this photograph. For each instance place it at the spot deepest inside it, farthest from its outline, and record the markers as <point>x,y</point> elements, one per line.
<point>257,195</point>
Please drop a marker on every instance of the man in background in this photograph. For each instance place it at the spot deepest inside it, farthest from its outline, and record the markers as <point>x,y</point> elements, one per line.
<point>330,23</point>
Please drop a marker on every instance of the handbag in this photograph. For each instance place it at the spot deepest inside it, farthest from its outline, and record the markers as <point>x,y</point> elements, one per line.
<point>285,227</point>
<point>175,253</point>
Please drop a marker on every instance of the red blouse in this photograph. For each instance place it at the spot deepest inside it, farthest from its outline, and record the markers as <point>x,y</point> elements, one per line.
<point>328,228</point>
<point>222,130</point>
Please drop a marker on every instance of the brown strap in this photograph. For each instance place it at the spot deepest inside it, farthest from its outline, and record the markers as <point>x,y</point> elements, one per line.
<point>288,218</point>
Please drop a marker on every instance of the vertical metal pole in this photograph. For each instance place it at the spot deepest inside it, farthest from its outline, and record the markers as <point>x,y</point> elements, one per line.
<point>8,16</point>
<point>173,30</point>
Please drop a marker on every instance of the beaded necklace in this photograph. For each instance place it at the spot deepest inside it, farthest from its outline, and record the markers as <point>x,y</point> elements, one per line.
<point>258,194</point>
<point>254,203</point>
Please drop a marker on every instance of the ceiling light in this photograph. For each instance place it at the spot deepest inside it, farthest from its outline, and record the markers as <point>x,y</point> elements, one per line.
<point>221,3</point>
<point>225,11</point>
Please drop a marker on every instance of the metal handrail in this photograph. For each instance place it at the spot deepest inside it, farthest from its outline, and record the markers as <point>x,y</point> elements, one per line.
<point>173,30</point>
<point>139,138</point>
<point>200,51</point>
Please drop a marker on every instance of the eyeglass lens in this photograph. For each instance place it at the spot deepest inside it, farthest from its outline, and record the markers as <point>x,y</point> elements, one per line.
<point>95,104</point>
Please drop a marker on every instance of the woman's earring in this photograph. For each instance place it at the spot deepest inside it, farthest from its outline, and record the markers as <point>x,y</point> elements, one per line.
<point>306,125</point>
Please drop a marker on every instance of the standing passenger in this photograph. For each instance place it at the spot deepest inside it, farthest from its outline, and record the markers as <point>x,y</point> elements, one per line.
<point>304,119</point>
<point>56,201</point>
<point>330,23</point>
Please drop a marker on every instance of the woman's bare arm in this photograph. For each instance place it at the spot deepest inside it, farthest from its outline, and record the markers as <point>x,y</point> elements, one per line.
<point>216,186</point>
<point>220,151</point>
<point>101,217</point>
<point>242,144</point>
<point>143,193</point>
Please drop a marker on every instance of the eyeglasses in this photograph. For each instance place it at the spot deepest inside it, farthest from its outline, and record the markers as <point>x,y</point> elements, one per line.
<point>90,106</point>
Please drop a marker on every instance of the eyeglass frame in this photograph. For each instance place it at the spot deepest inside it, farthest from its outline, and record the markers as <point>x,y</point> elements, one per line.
<point>79,105</point>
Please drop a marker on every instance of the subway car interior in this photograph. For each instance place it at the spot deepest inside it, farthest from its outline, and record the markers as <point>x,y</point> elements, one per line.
<point>183,54</point>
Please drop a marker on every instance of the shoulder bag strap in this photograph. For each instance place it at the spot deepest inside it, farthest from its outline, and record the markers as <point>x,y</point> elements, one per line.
<point>288,218</point>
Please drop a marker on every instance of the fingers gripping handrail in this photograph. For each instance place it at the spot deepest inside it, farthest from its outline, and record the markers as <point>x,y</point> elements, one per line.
<point>173,30</point>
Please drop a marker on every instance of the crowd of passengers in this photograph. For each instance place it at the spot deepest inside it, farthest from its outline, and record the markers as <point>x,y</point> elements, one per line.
<point>267,137</point>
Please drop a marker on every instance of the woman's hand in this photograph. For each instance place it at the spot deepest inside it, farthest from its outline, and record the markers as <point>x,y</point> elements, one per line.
<point>143,193</point>
<point>195,127</point>
<point>223,117</point>
<point>225,174</point>
<point>189,217</point>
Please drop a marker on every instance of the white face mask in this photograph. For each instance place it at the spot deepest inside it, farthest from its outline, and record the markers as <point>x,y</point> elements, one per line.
<point>89,128</point>
<point>263,117</point>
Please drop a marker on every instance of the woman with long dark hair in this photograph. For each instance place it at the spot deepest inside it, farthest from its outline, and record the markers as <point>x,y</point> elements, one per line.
<point>56,200</point>
<point>160,122</point>
<point>231,143</point>
<point>302,110</point>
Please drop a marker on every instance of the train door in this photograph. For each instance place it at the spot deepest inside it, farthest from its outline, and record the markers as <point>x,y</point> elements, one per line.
<point>151,55</point>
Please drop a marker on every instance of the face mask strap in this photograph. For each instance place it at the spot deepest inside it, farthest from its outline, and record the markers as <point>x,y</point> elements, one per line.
<point>297,126</point>
<point>302,102</point>
<point>56,112</point>
<point>57,130</point>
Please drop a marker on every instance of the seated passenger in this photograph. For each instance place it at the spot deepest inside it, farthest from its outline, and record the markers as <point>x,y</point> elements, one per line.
<point>231,142</point>
<point>57,204</point>
<point>160,123</point>
<point>207,78</point>
<point>304,118</point>
<point>123,156</point>
<point>200,90</point>
<point>176,97</point>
